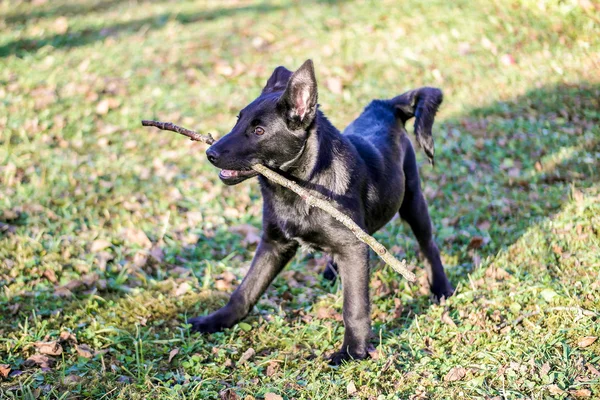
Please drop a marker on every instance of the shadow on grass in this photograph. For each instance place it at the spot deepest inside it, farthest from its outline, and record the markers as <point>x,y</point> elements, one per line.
<point>21,47</point>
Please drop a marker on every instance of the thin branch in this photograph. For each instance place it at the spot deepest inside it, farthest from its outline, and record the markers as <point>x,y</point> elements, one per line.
<point>311,200</point>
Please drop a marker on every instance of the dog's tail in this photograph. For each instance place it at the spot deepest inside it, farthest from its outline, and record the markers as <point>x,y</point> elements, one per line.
<point>422,104</point>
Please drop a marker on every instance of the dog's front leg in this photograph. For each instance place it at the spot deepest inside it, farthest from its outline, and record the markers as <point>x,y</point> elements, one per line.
<point>353,267</point>
<point>271,256</point>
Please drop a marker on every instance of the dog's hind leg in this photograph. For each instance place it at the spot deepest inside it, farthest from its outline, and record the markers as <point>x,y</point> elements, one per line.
<point>414,212</point>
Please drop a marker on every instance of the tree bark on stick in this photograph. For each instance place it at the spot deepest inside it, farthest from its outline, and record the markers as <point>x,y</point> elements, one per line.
<point>311,200</point>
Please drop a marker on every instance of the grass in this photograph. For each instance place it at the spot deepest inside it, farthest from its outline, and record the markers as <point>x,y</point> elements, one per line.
<point>116,233</point>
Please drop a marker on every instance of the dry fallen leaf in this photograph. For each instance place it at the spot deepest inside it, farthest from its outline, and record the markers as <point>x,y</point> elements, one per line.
<point>272,396</point>
<point>586,341</point>
<point>272,368</point>
<point>554,389</point>
<point>351,388</point>
<point>228,394</point>
<point>49,348</point>
<point>475,243</point>
<point>374,353</point>
<point>248,354</point>
<point>61,25</point>
<point>447,320</point>
<point>50,275</point>
<point>99,245</point>
<point>545,369</point>
<point>137,236</point>
<point>182,289</point>
<point>455,374</point>
<point>4,370</point>
<point>40,360</point>
<point>581,393</point>
<point>250,232</point>
<point>172,354</point>
<point>67,337</point>
<point>83,350</point>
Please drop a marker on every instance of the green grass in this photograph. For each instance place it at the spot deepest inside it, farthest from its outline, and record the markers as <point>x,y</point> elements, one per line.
<point>517,164</point>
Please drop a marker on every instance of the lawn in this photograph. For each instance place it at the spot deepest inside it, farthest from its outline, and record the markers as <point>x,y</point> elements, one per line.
<point>111,234</point>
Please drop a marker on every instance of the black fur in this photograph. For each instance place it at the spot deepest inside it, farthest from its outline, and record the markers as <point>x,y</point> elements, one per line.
<point>370,171</point>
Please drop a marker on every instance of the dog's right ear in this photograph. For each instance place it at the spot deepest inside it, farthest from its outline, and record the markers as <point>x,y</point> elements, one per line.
<point>278,80</point>
<point>299,101</point>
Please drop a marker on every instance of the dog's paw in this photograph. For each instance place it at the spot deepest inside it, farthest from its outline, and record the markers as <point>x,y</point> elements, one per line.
<point>342,356</point>
<point>442,293</point>
<point>204,324</point>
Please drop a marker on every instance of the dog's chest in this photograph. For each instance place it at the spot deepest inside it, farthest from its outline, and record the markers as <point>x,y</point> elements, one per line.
<point>298,221</point>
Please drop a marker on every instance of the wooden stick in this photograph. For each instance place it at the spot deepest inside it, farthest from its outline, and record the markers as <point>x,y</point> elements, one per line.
<point>325,205</point>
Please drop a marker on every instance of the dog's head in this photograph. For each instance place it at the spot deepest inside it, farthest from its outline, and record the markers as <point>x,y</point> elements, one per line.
<point>272,130</point>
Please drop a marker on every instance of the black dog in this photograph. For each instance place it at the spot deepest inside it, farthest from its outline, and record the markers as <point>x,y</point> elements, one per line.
<point>370,171</point>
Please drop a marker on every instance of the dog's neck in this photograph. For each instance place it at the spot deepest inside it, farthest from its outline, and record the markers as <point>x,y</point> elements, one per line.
<point>315,165</point>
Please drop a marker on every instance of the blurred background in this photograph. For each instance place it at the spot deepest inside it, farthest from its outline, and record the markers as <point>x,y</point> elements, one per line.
<point>116,233</point>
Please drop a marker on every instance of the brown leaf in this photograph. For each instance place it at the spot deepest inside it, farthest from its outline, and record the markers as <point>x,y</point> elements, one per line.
<point>586,341</point>
<point>496,273</point>
<point>447,320</point>
<point>351,388</point>
<point>475,243</point>
<point>61,25</point>
<point>83,350</point>
<point>138,237</point>
<point>63,292</point>
<point>14,308</point>
<point>172,354</point>
<point>71,380</point>
<point>455,374</point>
<point>4,370</point>
<point>157,254</point>
<point>40,360</point>
<point>140,259</point>
<point>49,348</point>
<point>99,245</point>
<point>593,371</point>
<point>67,337</point>
<point>222,285</point>
<point>554,389</point>
<point>581,393</point>
<point>272,396</point>
<point>248,354</point>
<point>545,369</point>
<point>182,289</point>
<point>105,105</point>
<point>228,394</point>
<point>272,368</point>
<point>250,232</point>
<point>374,353</point>
<point>50,275</point>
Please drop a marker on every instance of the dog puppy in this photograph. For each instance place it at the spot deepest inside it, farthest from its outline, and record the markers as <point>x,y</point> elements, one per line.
<point>369,171</point>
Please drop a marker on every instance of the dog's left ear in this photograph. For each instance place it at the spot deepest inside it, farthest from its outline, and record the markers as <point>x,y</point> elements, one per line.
<point>299,101</point>
<point>278,80</point>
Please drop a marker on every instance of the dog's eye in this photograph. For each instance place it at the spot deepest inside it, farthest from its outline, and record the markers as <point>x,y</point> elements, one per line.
<point>259,131</point>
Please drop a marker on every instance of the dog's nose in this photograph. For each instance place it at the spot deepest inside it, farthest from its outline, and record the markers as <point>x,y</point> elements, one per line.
<point>212,155</point>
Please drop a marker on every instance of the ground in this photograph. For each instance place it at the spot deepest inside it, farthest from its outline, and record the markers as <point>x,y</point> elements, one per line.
<point>111,234</point>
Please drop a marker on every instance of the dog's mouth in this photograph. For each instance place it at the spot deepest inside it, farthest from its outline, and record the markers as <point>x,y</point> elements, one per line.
<point>233,177</point>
